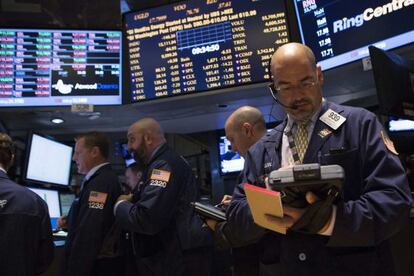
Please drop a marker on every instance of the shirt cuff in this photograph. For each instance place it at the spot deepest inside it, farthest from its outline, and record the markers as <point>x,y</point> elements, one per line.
<point>117,204</point>
<point>329,230</point>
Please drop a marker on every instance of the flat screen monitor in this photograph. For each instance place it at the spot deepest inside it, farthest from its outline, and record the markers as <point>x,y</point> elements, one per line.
<point>200,45</point>
<point>230,161</point>
<point>394,80</point>
<point>40,67</point>
<point>400,125</point>
<point>52,199</point>
<point>66,200</point>
<point>126,155</point>
<point>48,161</point>
<point>340,31</point>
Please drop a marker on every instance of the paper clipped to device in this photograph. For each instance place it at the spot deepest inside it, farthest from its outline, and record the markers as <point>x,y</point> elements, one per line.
<point>263,201</point>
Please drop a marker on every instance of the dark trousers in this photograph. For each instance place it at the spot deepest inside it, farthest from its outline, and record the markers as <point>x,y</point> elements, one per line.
<point>246,260</point>
<point>198,261</point>
<point>109,266</point>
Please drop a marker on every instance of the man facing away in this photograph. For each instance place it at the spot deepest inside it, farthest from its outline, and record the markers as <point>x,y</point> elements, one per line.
<point>91,218</point>
<point>168,237</point>
<point>375,201</point>
<point>26,246</point>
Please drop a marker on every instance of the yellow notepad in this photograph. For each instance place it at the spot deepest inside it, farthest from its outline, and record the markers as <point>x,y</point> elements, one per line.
<point>263,201</point>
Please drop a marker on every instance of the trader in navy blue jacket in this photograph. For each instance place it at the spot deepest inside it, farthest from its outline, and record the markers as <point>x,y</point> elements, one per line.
<point>168,237</point>
<point>93,243</point>
<point>376,198</point>
<point>26,246</point>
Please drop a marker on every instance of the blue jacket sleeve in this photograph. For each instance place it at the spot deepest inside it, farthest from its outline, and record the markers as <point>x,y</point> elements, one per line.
<point>155,207</point>
<point>239,217</point>
<point>46,248</point>
<point>384,203</point>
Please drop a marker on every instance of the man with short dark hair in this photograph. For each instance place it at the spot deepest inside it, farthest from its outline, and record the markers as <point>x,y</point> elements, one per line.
<point>353,239</point>
<point>26,246</point>
<point>92,221</point>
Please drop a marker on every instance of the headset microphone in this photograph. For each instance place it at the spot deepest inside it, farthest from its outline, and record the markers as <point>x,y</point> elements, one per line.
<point>279,102</point>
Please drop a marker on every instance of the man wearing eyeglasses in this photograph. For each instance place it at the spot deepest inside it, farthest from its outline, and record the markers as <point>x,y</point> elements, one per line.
<point>375,201</point>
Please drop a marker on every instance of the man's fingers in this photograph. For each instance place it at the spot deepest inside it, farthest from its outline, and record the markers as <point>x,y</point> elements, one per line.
<point>286,221</point>
<point>226,200</point>
<point>311,197</point>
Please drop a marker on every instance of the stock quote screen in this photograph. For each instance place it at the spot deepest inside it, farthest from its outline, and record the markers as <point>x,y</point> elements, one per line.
<point>59,67</point>
<point>340,32</point>
<point>201,45</point>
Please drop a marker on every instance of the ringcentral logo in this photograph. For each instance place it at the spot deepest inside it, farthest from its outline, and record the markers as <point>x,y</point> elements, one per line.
<point>370,13</point>
<point>67,88</point>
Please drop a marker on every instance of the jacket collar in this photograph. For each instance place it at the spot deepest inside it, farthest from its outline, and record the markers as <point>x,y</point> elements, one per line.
<point>158,151</point>
<point>3,175</point>
<point>101,167</point>
<point>273,141</point>
<point>320,133</point>
<point>94,170</point>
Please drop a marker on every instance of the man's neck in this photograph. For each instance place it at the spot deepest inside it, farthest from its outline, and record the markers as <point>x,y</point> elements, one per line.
<point>153,152</point>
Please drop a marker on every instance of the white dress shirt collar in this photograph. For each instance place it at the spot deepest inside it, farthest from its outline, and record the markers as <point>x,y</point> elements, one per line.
<point>93,170</point>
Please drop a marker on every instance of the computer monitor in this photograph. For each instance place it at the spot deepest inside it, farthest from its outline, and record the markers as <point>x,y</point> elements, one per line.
<point>126,155</point>
<point>340,31</point>
<point>230,161</point>
<point>400,125</point>
<point>60,67</point>
<point>48,161</point>
<point>192,46</point>
<point>52,199</point>
<point>394,80</point>
<point>66,200</point>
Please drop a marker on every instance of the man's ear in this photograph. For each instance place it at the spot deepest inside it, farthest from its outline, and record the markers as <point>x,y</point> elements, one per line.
<point>247,129</point>
<point>147,138</point>
<point>11,162</point>
<point>95,151</point>
<point>320,74</point>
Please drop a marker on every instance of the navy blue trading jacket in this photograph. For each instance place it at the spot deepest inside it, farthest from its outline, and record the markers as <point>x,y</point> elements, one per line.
<point>164,224</point>
<point>375,205</point>
<point>90,221</point>
<point>26,246</point>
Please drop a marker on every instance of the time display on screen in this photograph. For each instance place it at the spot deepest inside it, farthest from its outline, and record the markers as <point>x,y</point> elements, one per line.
<point>201,45</point>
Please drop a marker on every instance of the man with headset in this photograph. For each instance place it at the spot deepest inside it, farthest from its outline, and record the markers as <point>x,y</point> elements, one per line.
<point>375,202</point>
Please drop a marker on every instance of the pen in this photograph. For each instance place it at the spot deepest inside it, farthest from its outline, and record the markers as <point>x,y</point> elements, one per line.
<point>221,204</point>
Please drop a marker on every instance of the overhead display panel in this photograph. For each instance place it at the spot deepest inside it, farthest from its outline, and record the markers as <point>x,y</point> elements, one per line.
<point>59,67</point>
<point>200,45</point>
<point>340,31</point>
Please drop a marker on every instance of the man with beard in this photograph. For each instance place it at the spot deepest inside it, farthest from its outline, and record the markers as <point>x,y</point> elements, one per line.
<point>351,236</point>
<point>168,237</point>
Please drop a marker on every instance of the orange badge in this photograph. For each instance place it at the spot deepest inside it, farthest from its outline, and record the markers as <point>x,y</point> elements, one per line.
<point>324,132</point>
<point>388,143</point>
<point>97,197</point>
<point>160,175</point>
